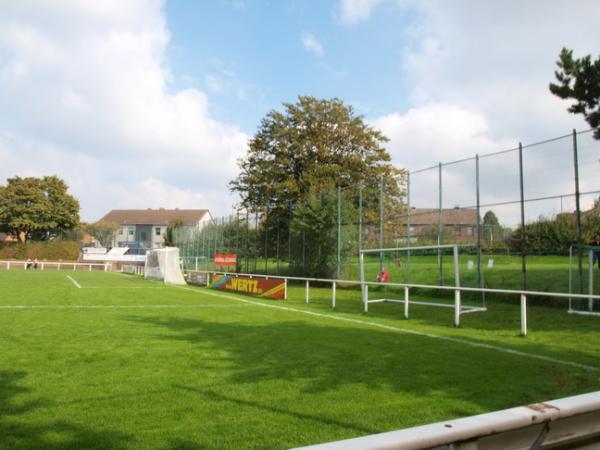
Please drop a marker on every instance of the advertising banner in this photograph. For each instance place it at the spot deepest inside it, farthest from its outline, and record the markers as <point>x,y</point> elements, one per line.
<point>225,259</point>
<point>258,287</point>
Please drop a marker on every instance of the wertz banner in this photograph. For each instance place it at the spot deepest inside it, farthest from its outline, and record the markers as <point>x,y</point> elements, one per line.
<point>225,259</point>
<point>259,287</point>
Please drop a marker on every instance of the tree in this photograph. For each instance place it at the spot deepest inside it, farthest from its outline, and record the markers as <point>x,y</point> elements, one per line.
<point>103,231</point>
<point>310,144</point>
<point>579,79</point>
<point>491,227</point>
<point>172,229</point>
<point>37,208</point>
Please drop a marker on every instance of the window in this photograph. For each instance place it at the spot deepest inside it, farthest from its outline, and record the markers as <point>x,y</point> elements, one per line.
<point>142,235</point>
<point>469,231</point>
<point>457,229</point>
<point>157,231</point>
<point>121,231</point>
<point>131,231</point>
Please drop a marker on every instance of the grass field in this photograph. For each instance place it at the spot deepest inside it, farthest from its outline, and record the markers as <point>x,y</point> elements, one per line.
<point>108,361</point>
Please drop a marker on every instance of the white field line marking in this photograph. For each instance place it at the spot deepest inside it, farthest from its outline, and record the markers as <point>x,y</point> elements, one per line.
<point>123,287</point>
<point>405,330</point>
<point>74,282</point>
<point>116,306</point>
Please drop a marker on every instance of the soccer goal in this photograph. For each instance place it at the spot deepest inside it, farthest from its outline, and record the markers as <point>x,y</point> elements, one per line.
<point>163,264</point>
<point>386,270</point>
<point>582,282</point>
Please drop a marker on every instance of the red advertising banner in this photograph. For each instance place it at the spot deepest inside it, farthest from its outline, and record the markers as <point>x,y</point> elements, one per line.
<point>228,259</point>
<point>259,287</point>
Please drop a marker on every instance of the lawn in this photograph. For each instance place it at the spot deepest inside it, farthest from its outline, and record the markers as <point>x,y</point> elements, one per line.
<point>123,363</point>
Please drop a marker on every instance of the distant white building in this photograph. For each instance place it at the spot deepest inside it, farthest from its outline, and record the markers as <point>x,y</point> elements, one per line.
<point>146,228</point>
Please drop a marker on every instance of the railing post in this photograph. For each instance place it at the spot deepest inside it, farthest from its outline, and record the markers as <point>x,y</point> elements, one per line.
<point>333,295</point>
<point>457,307</point>
<point>406,302</point>
<point>523,315</point>
<point>366,298</point>
<point>307,292</point>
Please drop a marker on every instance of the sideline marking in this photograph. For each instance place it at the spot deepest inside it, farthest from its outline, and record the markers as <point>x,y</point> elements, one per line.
<point>74,282</point>
<point>116,306</point>
<point>403,330</point>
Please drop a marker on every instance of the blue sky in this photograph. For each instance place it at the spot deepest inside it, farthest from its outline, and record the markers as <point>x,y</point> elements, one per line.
<point>258,60</point>
<point>150,103</point>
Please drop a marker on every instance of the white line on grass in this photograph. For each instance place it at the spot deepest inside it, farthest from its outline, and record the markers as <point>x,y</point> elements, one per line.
<point>123,287</point>
<point>74,282</point>
<point>116,306</point>
<point>403,330</point>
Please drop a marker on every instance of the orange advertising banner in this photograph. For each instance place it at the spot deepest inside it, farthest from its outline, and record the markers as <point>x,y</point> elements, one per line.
<point>225,259</point>
<point>258,287</point>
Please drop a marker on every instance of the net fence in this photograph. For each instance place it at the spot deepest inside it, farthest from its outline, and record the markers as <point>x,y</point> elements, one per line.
<point>516,213</point>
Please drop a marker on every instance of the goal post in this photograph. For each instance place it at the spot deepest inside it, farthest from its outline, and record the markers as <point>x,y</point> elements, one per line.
<point>163,264</point>
<point>577,305</point>
<point>420,257</point>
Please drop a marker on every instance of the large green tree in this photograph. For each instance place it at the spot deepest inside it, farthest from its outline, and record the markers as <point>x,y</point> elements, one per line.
<point>37,208</point>
<point>310,145</point>
<point>579,79</point>
<point>104,231</point>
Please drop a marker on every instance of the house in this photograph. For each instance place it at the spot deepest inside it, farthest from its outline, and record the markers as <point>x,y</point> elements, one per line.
<point>146,228</point>
<point>460,224</point>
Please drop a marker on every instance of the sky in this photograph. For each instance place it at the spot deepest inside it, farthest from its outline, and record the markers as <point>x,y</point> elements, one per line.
<point>150,103</point>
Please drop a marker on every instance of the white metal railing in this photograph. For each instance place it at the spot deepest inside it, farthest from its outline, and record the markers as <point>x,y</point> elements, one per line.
<point>571,422</point>
<point>54,265</point>
<point>521,294</point>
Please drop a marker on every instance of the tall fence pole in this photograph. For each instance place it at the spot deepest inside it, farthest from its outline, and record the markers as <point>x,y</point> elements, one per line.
<point>440,229</point>
<point>339,231</point>
<point>381,207</point>
<point>523,247</point>
<point>360,223</point>
<point>577,212</point>
<point>477,198</point>
<point>408,229</point>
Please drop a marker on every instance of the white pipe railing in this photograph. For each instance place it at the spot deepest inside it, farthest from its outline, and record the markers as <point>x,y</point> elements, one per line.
<point>57,265</point>
<point>459,308</point>
<point>571,422</point>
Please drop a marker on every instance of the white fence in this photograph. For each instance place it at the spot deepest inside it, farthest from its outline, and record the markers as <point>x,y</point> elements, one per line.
<point>458,308</point>
<point>52,265</point>
<point>571,422</point>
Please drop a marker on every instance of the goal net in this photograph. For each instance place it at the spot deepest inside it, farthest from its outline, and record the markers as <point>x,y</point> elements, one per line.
<point>392,274</point>
<point>163,264</point>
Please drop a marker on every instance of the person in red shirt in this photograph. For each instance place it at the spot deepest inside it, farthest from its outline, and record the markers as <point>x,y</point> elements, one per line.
<point>383,276</point>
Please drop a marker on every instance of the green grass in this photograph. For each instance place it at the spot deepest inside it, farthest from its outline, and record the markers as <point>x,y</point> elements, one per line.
<point>125,364</point>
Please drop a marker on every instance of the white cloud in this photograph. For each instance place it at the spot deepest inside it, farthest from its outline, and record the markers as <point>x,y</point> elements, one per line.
<point>312,44</point>
<point>354,11</point>
<point>88,80</point>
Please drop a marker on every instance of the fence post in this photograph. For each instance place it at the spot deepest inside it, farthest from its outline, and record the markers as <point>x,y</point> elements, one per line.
<point>577,212</point>
<point>478,201</point>
<point>339,231</point>
<point>523,315</point>
<point>307,292</point>
<point>333,295</point>
<point>381,226</point>
<point>366,300</point>
<point>457,307</point>
<point>591,281</point>
<point>360,201</point>
<point>523,249</point>
<point>406,302</point>
<point>440,227</point>
<point>408,227</point>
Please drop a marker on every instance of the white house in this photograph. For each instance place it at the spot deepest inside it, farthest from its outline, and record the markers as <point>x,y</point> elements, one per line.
<point>146,228</point>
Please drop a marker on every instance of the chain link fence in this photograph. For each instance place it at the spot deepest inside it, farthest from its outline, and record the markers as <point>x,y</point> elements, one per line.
<point>516,213</point>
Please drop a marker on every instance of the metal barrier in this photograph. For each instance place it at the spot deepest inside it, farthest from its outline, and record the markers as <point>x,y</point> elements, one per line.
<point>52,265</point>
<point>521,294</point>
<point>571,422</point>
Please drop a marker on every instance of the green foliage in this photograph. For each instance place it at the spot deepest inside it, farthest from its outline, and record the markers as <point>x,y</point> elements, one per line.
<point>307,146</point>
<point>37,208</point>
<point>169,239</point>
<point>554,235</point>
<point>579,79</point>
<point>314,225</point>
<point>103,231</point>
<point>55,250</point>
<point>493,233</point>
